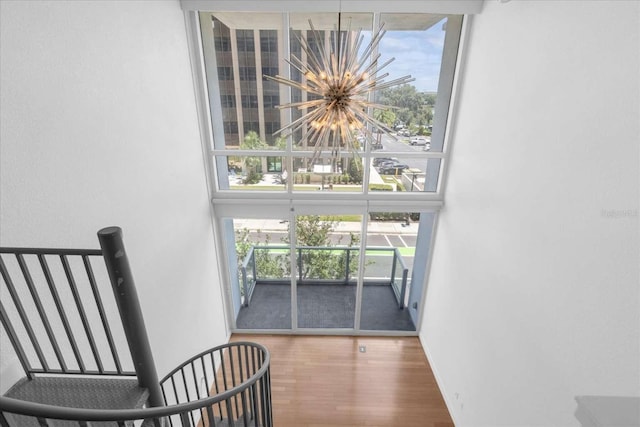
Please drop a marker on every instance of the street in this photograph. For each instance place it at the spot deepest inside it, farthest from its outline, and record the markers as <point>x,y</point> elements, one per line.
<point>391,145</point>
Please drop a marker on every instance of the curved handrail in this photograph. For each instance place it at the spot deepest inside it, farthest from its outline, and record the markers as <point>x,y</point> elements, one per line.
<point>21,407</point>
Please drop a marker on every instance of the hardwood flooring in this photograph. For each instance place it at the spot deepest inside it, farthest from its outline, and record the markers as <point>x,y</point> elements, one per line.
<point>322,381</point>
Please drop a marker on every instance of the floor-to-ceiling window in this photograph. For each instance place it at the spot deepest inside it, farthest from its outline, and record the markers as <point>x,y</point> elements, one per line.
<point>319,242</point>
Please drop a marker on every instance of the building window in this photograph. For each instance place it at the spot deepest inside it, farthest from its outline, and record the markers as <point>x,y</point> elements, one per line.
<point>271,127</point>
<point>228,101</point>
<point>245,41</point>
<point>251,126</point>
<point>271,101</point>
<point>274,164</point>
<point>247,73</point>
<point>223,43</point>
<point>230,127</point>
<point>268,41</point>
<point>225,73</point>
<point>249,101</point>
<point>269,71</point>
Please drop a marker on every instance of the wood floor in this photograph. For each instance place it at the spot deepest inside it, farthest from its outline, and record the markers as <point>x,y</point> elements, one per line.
<point>322,381</point>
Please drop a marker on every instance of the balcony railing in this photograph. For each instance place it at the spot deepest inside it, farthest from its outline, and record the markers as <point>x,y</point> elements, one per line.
<point>324,265</point>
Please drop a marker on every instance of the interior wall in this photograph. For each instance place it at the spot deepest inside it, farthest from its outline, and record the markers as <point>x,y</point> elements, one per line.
<point>533,296</point>
<point>99,128</point>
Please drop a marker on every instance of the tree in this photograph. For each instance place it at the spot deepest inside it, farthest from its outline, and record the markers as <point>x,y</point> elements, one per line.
<point>269,265</point>
<point>388,117</point>
<point>326,263</point>
<point>252,164</point>
<point>355,170</point>
<point>323,258</point>
<point>413,108</point>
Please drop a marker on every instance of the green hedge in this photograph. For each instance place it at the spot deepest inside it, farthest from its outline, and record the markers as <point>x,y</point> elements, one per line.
<point>380,187</point>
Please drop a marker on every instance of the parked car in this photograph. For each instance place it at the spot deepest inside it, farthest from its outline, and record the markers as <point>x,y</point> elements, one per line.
<point>404,132</point>
<point>393,169</point>
<point>387,164</point>
<point>427,147</point>
<point>419,140</point>
<point>378,160</point>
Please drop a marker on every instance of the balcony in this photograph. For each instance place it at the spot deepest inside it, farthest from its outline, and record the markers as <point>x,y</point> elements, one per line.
<point>325,288</point>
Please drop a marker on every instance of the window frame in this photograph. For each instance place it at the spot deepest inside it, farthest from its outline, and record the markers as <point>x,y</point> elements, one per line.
<point>225,201</point>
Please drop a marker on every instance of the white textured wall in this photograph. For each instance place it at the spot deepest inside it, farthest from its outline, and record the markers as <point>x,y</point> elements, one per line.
<point>534,291</point>
<point>99,128</point>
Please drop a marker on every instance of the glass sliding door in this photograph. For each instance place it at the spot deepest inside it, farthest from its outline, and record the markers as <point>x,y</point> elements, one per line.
<point>327,257</point>
<point>261,279</point>
<point>391,244</point>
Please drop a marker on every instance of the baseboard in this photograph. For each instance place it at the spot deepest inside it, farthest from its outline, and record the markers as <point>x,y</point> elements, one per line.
<point>448,403</point>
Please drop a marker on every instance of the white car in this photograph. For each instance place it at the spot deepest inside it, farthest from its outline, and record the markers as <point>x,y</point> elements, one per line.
<point>419,140</point>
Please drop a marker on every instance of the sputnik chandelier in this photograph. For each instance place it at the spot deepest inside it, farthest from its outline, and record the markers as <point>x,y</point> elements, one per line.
<point>342,81</point>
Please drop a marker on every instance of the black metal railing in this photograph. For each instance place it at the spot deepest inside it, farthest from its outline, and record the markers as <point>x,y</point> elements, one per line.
<point>63,320</point>
<point>72,313</point>
<point>225,386</point>
<point>270,264</point>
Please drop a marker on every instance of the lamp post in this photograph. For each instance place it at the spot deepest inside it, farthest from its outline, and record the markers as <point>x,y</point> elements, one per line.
<point>413,173</point>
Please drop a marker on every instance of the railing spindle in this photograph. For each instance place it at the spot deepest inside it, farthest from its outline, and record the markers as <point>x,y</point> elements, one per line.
<point>23,316</point>
<point>43,315</point>
<point>15,341</point>
<point>102,313</point>
<point>211,418</point>
<point>215,379</point>
<point>61,312</point>
<point>81,312</point>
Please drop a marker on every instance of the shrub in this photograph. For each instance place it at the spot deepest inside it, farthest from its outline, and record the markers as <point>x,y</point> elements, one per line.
<point>380,187</point>
<point>253,178</point>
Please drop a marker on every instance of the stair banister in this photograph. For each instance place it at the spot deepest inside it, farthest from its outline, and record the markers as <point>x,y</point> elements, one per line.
<point>124,290</point>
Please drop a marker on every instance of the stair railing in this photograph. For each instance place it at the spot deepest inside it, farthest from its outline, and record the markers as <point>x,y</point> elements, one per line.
<point>228,385</point>
<point>61,349</point>
<point>61,321</point>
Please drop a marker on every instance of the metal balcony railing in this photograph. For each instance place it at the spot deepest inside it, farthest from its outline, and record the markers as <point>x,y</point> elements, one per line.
<point>269,264</point>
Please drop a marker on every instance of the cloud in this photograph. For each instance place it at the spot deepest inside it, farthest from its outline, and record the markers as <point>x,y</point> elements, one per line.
<point>416,53</point>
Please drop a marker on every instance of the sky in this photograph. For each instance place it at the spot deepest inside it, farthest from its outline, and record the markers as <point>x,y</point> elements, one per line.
<point>417,53</point>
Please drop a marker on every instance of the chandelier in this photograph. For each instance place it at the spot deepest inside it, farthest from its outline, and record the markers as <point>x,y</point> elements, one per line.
<point>341,81</point>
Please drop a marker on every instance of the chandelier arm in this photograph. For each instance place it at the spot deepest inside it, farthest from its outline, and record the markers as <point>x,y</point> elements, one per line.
<point>371,66</point>
<point>385,85</point>
<point>381,106</point>
<point>385,64</point>
<point>297,124</point>
<point>321,48</point>
<point>297,64</point>
<point>304,45</point>
<point>312,58</point>
<point>294,84</point>
<point>317,115</point>
<point>353,55</point>
<point>373,43</point>
<point>375,122</point>
<point>335,144</point>
<point>302,104</point>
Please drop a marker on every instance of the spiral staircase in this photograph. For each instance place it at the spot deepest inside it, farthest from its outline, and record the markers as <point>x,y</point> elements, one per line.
<point>86,358</point>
